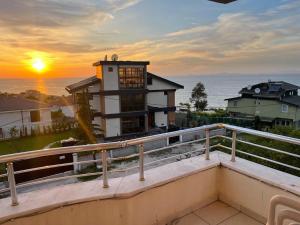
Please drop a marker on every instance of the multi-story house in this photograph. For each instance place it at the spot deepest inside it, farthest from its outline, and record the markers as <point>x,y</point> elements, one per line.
<point>275,103</point>
<point>126,99</point>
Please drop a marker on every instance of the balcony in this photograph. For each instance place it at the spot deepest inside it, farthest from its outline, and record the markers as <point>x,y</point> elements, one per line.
<point>215,184</point>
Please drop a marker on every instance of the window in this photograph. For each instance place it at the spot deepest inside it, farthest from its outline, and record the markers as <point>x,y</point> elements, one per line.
<point>284,108</point>
<point>131,77</point>
<point>110,69</point>
<point>149,79</point>
<point>133,124</point>
<point>35,116</point>
<point>235,103</point>
<point>132,102</point>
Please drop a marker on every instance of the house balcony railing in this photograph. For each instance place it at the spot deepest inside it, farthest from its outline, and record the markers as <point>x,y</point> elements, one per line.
<point>211,139</point>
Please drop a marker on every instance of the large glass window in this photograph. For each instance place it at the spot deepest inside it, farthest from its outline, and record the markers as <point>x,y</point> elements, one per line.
<point>131,77</point>
<point>132,102</point>
<point>133,124</point>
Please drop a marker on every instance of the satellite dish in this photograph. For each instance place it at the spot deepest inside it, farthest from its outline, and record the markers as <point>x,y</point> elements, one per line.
<point>257,90</point>
<point>249,87</point>
<point>114,57</point>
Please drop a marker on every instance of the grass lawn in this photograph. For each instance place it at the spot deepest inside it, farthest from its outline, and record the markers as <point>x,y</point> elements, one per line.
<point>31,143</point>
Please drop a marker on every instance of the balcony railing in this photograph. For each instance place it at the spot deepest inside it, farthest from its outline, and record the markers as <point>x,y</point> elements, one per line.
<point>102,148</point>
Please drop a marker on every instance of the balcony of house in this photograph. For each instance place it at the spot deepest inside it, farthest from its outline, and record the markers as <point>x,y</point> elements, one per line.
<point>204,178</point>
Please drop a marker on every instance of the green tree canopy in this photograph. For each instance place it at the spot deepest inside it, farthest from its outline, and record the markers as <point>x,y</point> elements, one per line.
<point>199,97</point>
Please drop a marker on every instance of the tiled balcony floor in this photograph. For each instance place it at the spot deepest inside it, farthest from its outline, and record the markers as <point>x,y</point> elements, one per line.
<point>216,213</point>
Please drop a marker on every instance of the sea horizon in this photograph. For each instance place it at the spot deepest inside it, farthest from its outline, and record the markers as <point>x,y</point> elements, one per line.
<point>218,87</point>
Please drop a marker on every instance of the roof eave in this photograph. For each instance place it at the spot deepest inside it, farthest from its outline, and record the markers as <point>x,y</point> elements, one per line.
<point>179,86</point>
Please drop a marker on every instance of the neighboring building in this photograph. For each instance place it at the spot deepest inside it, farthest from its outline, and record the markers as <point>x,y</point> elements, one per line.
<point>275,103</point>
<point>23,114</point>
<point>125,99</point>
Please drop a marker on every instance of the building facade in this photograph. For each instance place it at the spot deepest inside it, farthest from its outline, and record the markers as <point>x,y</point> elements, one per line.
<point>274,103</point>
<point>125,99</point>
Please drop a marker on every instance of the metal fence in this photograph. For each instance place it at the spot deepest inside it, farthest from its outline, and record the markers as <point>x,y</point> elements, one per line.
<point>211,139</point>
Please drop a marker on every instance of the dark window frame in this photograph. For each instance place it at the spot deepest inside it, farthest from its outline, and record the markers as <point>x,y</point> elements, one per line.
<point>131,125</point>
<point>149,80</point>
<point>132,102</point>
<point>35,116</point>
<point>131,77</point>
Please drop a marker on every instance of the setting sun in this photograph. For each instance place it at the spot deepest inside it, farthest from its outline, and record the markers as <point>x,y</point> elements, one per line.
<point>38,64</point>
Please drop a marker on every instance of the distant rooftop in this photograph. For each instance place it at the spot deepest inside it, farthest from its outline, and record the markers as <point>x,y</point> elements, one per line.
<point>271,89</point>
<point>13,103</point>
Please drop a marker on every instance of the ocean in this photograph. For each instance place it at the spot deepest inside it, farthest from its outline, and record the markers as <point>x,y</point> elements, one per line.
<point>218,87</point>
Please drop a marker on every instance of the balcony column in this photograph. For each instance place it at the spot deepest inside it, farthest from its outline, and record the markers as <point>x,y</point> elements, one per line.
<point>233,147</point>
<point>207,144</point>
<point>12,184</point>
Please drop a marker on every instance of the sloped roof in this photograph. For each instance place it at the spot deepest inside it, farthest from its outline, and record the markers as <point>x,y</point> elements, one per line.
<point>103,62</point>
<point>91,80</point>
<point>13,103</point>
<point>83,83</point>
<point>293,100</point>
<point>165,80</point>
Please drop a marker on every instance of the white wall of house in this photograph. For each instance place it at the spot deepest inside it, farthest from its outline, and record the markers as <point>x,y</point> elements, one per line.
<point>67,110</point>
<point>161,119</point>
<point>159,85</point>
<point>97,121</point>
<point>157,99</point>
<point>112,104</point>
<point>94,87</point>
<point>12,119</point>
<point>95,103</point>
<point>111,79</point>
<point>113,127</point>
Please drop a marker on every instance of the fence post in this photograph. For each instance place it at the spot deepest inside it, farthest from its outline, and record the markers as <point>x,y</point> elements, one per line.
<point>180,138</point>
<point>168,141</point>
<point>104,168</point>
<point>233,151</point>
<point>12,184</point>
<point>207,144</point>
<point>75,161</point>
<point>141,162</point>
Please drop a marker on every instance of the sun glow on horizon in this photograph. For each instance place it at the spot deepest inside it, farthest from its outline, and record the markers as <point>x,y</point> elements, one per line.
<point>38,64</point>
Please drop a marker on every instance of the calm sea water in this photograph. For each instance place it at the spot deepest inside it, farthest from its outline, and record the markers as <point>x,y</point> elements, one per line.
<point>218,87</point>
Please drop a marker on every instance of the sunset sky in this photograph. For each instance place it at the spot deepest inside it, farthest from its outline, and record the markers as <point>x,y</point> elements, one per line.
<point>178,37</point>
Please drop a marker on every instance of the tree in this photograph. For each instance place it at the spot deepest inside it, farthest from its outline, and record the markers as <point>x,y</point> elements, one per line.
<point>13,132</point>
<point>84,118</point>
<point>187,108</point>
<point>199,97</point>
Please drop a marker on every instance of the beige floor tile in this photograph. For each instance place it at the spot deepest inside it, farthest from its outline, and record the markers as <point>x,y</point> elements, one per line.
<point>190,219</point>
<point>240,219</point>
<point>216,213</point>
